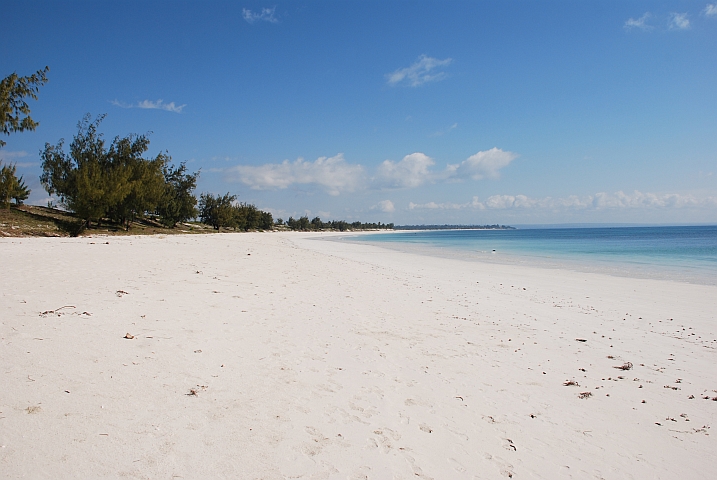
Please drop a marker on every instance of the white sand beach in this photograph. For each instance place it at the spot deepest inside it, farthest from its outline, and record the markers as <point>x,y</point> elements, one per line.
<point>276,355</point>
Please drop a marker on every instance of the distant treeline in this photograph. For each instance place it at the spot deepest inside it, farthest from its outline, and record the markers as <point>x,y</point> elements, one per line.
<point>304,225</point>
<point>453,227</point>
<point>224,212</point>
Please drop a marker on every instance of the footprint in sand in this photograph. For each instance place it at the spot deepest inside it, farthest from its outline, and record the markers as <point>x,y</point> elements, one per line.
<point>316,445</point>
<point>386,439</point>
<point>360,473</point>
<point>457,466</point>
<point>417,471</point>
<point>505,468</point>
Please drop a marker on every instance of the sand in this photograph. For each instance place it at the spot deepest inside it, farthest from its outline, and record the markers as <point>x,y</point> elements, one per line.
<point>281,355</point>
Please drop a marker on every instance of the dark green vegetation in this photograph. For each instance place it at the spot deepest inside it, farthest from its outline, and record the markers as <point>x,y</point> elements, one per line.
<point>304,225</point>
<point>454,227</point>
<point>12,187</point>
<point>117,183</point>
<point>224,212</point>
<point>15,114</point>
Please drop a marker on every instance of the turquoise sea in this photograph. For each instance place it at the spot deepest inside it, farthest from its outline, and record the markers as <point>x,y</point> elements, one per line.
<point>681,253</point>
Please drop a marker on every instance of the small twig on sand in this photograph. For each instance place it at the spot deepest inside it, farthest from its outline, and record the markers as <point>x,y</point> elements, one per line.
<point>625,366</point>
<point>52,312</point>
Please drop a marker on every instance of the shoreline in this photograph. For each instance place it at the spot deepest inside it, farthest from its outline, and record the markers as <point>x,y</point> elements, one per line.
<point>584,264</point>
<point>333,359</point>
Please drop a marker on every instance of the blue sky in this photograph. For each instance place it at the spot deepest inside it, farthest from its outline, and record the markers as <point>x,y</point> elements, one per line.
<point>394,111</point>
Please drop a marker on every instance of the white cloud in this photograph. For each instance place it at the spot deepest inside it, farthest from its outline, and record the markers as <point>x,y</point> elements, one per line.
<point>710,10</point>
<point>679,21</point>
<point>414,170</point>
<point>336,175</point>
<point>437,206</point>
<point>385,206</point>
<point>422,71</point>
<point>483,164</point>
<point>509,201</point>
<point>149,104</point>
<point>443,131</point>
<point>10,155</point>
<point>332,173</point>
<point>599,201</point>
<point>160,105</point>
<point>266,15</point>
<point>640,23</point>
<point>411,171</point>
<point>638,199</point>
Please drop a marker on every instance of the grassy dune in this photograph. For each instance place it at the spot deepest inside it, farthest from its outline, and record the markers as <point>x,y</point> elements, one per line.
<point>33,221</point>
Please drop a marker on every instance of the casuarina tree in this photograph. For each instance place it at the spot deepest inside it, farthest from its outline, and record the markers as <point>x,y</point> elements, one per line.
<point>14,110</point>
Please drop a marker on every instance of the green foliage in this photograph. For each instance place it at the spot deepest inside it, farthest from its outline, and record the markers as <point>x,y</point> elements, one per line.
<point>13,91</point>
<point>178,204</point>
<point>11,187</point>
<point>97,182</point>
<point>221,212</point>
<point>217,211</point>
<point>303,224</point>
<point>267,221</point>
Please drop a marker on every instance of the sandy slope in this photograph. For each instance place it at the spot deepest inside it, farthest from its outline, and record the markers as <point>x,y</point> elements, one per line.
<point>315,359</point>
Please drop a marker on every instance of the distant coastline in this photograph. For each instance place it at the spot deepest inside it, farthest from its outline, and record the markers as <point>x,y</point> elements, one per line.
<point>453,227</point>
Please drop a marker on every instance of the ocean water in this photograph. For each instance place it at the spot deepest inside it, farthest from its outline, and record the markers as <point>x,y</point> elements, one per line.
<point>684,253</point>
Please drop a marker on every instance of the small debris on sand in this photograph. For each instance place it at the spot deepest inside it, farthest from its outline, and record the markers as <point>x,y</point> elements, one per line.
<point>128,336</point>
<point>584,395</point>
<point>625,366</point>
<point>55,311</point>
<point>194,392</point>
